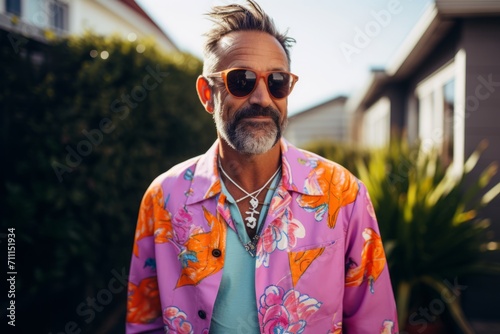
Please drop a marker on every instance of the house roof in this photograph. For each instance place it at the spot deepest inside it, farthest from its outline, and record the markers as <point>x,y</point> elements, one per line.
<point>431,28</point>
<point>132,4</point>
<point>340,98</point>
<point>468,8</point>
<point>136,8</point>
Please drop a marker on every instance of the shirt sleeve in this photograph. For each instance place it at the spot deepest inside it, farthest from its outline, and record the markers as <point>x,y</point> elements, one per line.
<point>143,299</point>
<point>369,305</point>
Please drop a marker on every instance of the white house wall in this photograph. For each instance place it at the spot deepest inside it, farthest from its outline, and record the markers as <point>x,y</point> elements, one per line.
<point>376,124</point>
<point>103,17</point>
<point>327,122</point>
<point>108,17</point>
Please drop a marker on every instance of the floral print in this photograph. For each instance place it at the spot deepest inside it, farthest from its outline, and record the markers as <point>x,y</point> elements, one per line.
<point>176,321</point>
<point>300,261</point>
<point>143,301</point>
<point>285,312</point>
<point>163,226</point>
<point>387,327</point>
<point>337,186</point>
<point>300,284</point>
<point>146,220</point>
<point>183,226</point>
<point>281,234</point>
<point>336,328</point>
<point>199,246</point>
<point>372,261</point>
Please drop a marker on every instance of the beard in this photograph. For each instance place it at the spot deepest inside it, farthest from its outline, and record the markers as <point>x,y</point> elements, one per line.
<point>247,136</point>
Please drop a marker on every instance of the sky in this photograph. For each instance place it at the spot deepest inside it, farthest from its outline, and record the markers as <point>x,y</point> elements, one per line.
<point>338,41</point>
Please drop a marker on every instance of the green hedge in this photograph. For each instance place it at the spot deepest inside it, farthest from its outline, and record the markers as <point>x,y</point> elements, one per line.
<point>82,139</point>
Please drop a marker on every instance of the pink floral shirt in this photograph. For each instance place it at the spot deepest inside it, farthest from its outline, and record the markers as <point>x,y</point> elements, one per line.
<point>320,263</point>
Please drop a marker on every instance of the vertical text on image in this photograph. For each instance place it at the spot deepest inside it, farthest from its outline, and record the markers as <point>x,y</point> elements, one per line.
<point>11,274</point>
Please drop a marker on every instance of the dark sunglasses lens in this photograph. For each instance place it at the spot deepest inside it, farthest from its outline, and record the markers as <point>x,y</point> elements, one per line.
<point>279,84</point>
<point>241,82</point>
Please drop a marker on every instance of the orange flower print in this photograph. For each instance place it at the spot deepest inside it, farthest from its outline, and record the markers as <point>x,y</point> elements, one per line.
<point>163,226</point>
<point>338,186</point>
<point>336,328</point>
<point>300,261</point>
<point>372,261</point>
<point>143,303</point>
<point>145,222</point>
<point>214,189</point>
<point>203,253</point>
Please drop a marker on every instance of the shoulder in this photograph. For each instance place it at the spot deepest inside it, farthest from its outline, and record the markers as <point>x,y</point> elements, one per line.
<point>321,167</point>
<point>181,170</point>
<point>176,175</point>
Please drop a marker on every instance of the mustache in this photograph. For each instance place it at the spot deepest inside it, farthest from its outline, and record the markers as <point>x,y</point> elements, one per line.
<point>255,111</point>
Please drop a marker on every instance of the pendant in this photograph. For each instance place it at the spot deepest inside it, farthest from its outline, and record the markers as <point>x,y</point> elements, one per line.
<point>251,246</point>
<point>251,220</point>
<point>254,202</point>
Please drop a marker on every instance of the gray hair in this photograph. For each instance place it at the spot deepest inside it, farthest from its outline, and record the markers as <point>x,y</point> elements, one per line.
<point>237,17</point>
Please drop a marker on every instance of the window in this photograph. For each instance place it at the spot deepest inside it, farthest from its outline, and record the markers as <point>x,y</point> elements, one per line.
<point>440,104</point>
<point>448,120</point>
<point>436,101</point>
<point>13,7</point>
<point>59,15</point>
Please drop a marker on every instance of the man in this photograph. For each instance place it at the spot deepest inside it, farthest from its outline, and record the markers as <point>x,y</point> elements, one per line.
<point>256,236</point>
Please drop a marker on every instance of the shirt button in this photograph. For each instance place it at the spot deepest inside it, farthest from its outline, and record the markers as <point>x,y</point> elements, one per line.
<point>202,314</point>
<point>216,252</point>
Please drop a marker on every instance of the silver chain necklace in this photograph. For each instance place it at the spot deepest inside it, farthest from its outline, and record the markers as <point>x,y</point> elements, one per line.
<point>251,221</point>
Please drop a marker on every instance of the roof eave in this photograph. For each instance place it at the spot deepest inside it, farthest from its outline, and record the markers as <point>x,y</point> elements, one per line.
<point>432,27</point>
<point>357,102</point>
<point>427,33</point>
<point>468,8</point>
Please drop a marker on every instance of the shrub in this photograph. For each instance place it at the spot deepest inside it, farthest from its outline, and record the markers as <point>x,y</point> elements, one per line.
<point>83,137</point>
<point>428,215</point>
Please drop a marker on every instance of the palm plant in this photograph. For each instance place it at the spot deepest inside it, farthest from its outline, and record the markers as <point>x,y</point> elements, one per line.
<point>428,216</point>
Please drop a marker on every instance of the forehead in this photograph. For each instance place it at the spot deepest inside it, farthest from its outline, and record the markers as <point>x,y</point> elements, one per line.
<point>251,49</point>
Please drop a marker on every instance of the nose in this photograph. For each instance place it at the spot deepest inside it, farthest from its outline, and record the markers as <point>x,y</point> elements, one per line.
<point>260,95</point>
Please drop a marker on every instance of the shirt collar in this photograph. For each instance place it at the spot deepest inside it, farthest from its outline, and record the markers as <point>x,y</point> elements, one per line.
<point>296,169</point>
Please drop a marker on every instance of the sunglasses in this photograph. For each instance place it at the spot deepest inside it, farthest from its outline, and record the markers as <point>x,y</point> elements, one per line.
<point>241,82</point>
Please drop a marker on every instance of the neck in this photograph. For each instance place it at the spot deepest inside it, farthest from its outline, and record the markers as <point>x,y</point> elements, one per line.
<point>249,171</point>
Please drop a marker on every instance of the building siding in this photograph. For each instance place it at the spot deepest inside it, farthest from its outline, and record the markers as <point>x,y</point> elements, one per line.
<point>480,40</point>
<point>326,122</point>
<point>479,112</point>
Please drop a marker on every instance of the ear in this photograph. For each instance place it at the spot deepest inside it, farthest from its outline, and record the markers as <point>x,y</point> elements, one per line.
<point>205,93</point>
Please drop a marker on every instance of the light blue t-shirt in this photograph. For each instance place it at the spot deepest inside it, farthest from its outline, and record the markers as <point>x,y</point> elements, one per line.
<point>235,309</point>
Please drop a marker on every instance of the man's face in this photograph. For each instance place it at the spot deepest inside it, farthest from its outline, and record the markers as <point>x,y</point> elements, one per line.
<point>252,124</point>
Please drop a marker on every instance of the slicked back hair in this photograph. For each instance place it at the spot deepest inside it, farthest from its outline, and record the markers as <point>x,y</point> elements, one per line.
<point>237,17</point>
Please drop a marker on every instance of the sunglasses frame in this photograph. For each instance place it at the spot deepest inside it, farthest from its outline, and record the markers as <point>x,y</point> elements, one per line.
<point>259,75</point>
